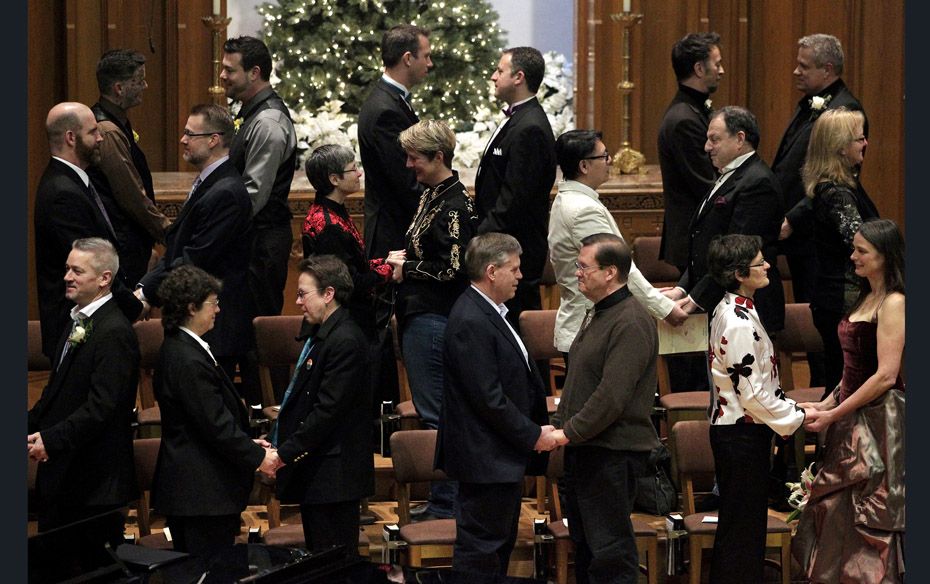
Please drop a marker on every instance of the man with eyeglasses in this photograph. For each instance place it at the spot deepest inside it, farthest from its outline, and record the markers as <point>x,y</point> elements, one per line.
<point>213,232</point>
<point>578,212</point>
<point>122,175</point>
<point>604,415</point>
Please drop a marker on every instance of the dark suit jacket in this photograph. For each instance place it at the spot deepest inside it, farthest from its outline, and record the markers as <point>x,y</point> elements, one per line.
<point>391,190</point>
<point>324,427</point>
<point>789,159</point>
<point>85,416</point>
<point>749,202</point>
<point>207,461</point>
<point>64,211</point>
<point>492,403</point>
<point>213,232</point>
<point>687,172</point>
<point>513,184</point>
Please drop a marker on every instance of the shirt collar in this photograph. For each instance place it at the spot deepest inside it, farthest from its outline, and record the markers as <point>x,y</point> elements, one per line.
<point>512,108</point>
<point>200,342</point>
<point>736,162</point>
<point>573,185</point>
<point>403,90</point>
<point>208,170</point>
<point>501,308</point>
<point>615,297</point>
<point>91,308</point>
<point>80,171</point>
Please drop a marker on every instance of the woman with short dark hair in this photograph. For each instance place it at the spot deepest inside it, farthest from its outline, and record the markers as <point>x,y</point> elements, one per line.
<point>748,404</point>
<point>207,461</point>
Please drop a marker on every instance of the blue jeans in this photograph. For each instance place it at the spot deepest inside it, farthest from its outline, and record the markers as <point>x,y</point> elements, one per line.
<point>422,339</point>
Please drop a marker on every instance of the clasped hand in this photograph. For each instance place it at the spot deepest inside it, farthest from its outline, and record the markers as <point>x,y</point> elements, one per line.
<point>272,462</point>
<point>550,438</point>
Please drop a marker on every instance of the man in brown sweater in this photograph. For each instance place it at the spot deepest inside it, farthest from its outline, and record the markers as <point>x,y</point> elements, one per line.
<point>604,412</point>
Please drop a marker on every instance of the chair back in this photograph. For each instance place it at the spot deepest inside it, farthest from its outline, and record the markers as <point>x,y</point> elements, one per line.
<point>799,336</point>
<point>37,359</point>
<point>646,255</point>
<point>276,346</point>
<point>537,329</point>
<point>412,453</point>
<point>150,335</point>
<point>693,458</point>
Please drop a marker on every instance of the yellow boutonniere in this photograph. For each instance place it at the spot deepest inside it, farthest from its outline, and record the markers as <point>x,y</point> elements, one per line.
<point>135,136</point>
<point>237,122</point>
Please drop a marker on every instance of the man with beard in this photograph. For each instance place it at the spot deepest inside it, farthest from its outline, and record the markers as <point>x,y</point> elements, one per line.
<point>68,207</point>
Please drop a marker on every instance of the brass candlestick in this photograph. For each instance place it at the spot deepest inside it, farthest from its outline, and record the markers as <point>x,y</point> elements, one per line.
<point>627,160</point>
<point>218,25</point>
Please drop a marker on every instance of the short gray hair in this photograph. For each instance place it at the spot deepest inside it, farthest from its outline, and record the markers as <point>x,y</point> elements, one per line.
<point>825,48</point>
<point>489,248</point>
<point>103,255</point>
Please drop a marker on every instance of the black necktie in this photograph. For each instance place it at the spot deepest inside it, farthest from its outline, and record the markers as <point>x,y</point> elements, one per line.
<point>103,211</point>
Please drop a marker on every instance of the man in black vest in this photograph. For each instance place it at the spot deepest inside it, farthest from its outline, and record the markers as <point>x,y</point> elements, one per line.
<point>264,151</point>
<point>122,176</point>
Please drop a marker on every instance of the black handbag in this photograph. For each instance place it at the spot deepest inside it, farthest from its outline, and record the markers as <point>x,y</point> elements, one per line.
<point>655,493</point>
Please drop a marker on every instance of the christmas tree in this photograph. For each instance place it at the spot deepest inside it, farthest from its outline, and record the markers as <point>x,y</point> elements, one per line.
<point>326,50</point>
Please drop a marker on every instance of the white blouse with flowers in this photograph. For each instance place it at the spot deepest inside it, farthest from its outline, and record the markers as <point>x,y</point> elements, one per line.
<point>744,367</point>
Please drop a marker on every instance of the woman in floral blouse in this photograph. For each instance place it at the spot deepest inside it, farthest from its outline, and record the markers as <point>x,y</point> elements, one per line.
<point>840,205</point>
<point>748,405</point>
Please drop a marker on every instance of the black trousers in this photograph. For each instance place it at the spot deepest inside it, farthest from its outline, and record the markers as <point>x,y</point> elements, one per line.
<point>486,520</point>
<point>741,460</point>
<point>205,536</point>
<point>329,524</point>
<point>803,279</point>
<point>271,249</point>
<point>600,485</point>
<point>826,322</point>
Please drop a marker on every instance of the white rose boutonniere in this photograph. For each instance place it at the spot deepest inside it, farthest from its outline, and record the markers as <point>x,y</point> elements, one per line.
<point>80,334</point>
<point>708,104</point>
<point>818,105</point>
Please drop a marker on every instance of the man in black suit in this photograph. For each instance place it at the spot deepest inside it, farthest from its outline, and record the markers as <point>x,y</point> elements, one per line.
<point>817,75</point>
<point>68,207</point>
<point>80,430</point>
<point>517,171</point>
<point>392,192</point>
<point>323,430</point>
<point>746,199</point>
<point>122,175</point>
<point>687,172</point>
<point>493,410</point>
<point>213,232</point>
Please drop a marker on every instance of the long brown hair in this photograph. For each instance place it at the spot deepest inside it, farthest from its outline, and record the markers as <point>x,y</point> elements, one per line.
<point>887,240</point>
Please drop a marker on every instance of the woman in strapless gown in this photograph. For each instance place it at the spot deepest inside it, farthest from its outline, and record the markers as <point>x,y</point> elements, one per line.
<point>852,529</point>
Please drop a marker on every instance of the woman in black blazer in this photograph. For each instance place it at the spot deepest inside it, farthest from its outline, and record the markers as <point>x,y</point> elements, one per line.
<point>207,461</point>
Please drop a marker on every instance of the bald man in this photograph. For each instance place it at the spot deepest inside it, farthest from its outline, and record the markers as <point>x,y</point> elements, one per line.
<point>67,207</point>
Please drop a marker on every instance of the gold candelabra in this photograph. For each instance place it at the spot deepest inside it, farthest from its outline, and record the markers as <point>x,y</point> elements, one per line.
<point>217,24</point>
<point>627,160</point>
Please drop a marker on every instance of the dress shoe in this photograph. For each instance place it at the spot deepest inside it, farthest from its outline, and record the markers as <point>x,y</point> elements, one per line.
<point>419,509</point>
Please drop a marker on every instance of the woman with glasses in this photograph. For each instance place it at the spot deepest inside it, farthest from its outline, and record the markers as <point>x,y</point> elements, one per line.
<point>207,461</point>
<point>749,408</point>
<point>840,205</point>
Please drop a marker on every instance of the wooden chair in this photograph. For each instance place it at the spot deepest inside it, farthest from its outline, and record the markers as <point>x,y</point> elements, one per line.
<point>409,417</point>
<point>428,543</point>
<point>647,538</point>
<point>696,463</point>
<point>276,345</point>
<point>646,256</point>
<point>150,335</point>
<point>549,288</point>
<point>799,336</point>
<point>292,535</point>
<point>145,453</point>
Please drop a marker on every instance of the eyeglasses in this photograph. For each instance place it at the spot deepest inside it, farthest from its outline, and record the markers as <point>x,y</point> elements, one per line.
<point>605,156</point>
<point>302,293</point>
<point>759,265</point>
<point>213,302</point>
<point>584,268</point>
<point>190,134</point>
<point>860,139</point>
<point>345,170</point>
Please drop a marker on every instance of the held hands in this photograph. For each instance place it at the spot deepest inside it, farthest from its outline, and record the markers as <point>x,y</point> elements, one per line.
<point>673,292</point>
<point>687,305</point>
<point>272,462</point>
<point>36,448</point>
<point>146,307</point>
<point>677,316</point>
<point>396,260</point>
<point>550,439</point>
<point>817,420</point>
